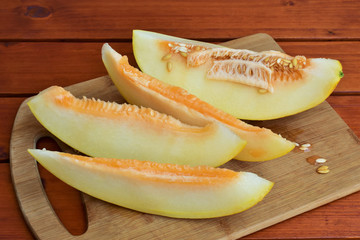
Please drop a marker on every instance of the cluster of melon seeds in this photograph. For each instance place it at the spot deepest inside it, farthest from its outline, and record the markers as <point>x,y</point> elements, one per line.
<point>179,48</point>
<point>323,168</point>
<point>305,147</point>
<point>257,69</point>
<point>317,160</point>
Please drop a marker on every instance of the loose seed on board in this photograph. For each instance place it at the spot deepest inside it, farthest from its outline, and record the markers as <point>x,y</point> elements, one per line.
<point>323,169</point>
<point>306,145</point>
<point>320,160</point>
<point>169,66</point>
<point>312,159</point>
<point>166,57</point>
<point>303,148</point>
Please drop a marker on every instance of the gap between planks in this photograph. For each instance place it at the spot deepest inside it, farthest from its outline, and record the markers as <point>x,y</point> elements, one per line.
<point>129,40</point>
<point>27,95</point>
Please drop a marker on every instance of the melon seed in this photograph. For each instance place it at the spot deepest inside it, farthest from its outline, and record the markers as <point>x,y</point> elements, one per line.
<point>294,62</point>
<point>323,169</point>
<point>320,160</point>
<point>166,57</point>
<point>184,54</point>
<point>287,61</point>
<point>262,91</point>
<point>306,145</point>
<point>169,66</point>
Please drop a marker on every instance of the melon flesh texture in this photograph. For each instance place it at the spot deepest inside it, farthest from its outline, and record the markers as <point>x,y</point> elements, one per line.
<point>319,79</point>
<point>104,129</point>
<point>143,90</point>
<point>164,189</point>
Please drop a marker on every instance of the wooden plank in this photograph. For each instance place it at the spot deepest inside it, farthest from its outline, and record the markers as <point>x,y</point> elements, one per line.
<point>211,19</point>
<point>348,107</point>
<point>57,63</point>
<point>8,110</point>
<point>32,67</point>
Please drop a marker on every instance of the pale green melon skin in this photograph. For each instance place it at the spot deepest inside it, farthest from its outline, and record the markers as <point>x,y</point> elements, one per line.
<point>134,138</point>
<point>244,102</point>
<point>172,199</point>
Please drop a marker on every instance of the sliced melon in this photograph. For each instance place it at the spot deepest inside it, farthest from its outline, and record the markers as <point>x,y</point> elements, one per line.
<point>171,190</point>
<point>246,84</point>
<point>105,129</point>
<point>143,90</point>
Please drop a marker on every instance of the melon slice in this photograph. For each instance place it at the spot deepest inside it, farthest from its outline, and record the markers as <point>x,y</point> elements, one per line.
<point>143,90</point>
<point>246,84</point>
<point>104,129</point>
<point>171,190</point>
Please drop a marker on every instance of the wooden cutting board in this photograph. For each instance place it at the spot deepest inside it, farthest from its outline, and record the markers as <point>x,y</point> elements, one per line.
<point>298,188</point>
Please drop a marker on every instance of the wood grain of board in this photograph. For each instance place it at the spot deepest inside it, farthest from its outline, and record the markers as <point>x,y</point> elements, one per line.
<point>298,187</point>
<point>81,61</point>
<point>283,19</point>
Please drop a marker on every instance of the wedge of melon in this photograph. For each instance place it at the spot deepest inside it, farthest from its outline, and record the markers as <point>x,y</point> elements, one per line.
<point>171,190</point>
<point>105,129</point>
<point>143,90</point>
<point>243,83</point>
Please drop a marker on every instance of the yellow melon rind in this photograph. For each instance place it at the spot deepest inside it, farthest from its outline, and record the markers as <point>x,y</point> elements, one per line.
<point>144,192</point>
<point>102,129</point>
<point>319,79</point>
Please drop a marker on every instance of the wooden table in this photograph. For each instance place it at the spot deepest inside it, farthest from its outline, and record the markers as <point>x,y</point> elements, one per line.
<point>48,43</point>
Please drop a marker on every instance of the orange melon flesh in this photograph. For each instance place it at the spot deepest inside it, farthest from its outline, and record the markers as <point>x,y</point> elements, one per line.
<point>143,90</point>
<point>105,129</point>
<point>163,189</point>
<point>215,76</point>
